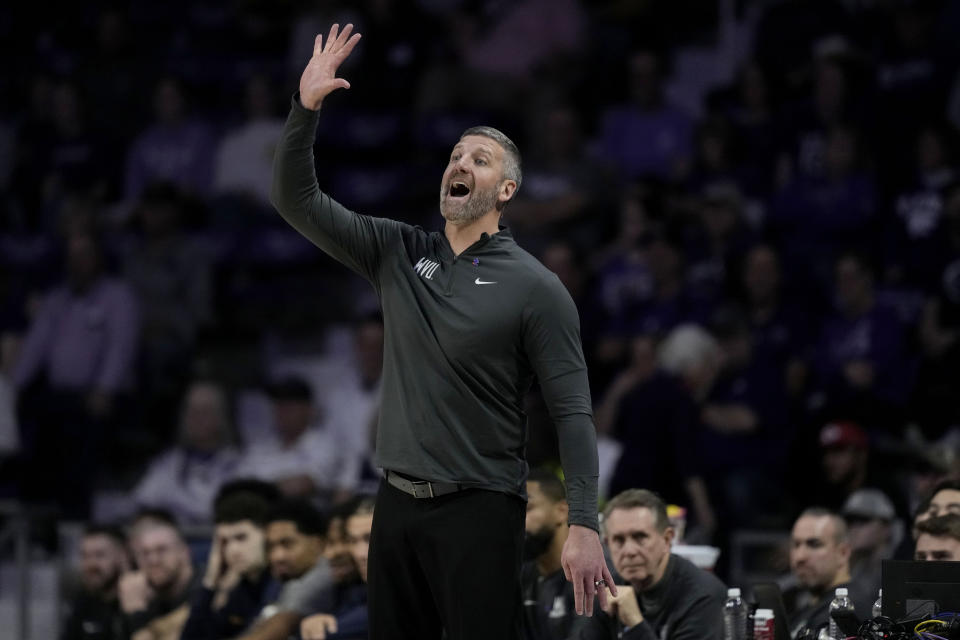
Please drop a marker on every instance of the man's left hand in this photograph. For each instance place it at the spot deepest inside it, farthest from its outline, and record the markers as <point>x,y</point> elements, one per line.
<point>584,566</point>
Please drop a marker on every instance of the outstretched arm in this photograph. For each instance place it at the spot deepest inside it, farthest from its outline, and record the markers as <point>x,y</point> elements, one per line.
<point>552,342</point>
<point>355,240</point>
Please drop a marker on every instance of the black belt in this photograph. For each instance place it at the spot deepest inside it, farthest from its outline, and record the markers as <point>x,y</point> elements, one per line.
<point>422,488</point>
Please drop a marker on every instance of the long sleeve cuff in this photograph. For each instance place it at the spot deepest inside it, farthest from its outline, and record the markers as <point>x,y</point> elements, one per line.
<point>582,498</point>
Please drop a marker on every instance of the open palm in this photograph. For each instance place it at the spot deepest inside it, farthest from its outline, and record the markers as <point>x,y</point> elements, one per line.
<point>320,76</point>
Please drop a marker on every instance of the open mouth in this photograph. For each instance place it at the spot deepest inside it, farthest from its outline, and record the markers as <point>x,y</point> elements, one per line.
<point>458,190</point>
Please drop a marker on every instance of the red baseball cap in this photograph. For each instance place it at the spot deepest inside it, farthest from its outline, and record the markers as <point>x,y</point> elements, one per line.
<point>843,434</point>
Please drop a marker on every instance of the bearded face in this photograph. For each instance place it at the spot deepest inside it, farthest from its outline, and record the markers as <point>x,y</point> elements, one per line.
<point>472,180</point>
<point>461,205</point>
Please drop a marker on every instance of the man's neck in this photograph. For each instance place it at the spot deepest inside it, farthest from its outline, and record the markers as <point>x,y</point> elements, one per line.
<point>655,578</point>
<point>550,562</point>
<point>462,236</point>
<point>843,577</point>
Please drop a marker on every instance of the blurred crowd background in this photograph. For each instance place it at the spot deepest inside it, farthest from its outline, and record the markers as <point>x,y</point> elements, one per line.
<point>755,206</point>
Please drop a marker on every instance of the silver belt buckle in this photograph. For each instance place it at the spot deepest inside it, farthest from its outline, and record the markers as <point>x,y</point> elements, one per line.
<point>422,489</point>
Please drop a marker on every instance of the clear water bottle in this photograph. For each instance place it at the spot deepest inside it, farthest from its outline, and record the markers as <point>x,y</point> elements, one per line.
<point>734,616</point>
<point>842,603</point>
<point>878,605</point>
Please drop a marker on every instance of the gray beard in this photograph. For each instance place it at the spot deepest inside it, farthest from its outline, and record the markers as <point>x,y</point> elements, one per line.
<point>478,204</point>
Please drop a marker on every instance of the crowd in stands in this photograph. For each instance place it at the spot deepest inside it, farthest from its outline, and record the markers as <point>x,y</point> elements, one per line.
<point>755,206</point>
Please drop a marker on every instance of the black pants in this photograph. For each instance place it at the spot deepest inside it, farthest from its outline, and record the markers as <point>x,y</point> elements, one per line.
<point>445,564</point>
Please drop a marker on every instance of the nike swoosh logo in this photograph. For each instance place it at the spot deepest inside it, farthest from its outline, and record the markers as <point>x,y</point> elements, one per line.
<point>479,281</point>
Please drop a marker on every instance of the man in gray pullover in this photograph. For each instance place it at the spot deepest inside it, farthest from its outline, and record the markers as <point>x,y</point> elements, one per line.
<point>470,320</point>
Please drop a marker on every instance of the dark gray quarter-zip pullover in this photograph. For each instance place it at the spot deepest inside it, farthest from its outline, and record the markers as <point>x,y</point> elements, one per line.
<point>465,337</point>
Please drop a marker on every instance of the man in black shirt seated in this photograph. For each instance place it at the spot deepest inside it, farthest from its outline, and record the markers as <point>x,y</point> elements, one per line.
<point>667,597</point>
<point>236,582</point>
<point>548,604</point>
<point>820,562</point>
<point>95,611</point>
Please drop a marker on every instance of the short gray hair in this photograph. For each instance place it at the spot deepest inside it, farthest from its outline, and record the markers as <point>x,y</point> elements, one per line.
<point>640,499</point>
<point>511,160</point>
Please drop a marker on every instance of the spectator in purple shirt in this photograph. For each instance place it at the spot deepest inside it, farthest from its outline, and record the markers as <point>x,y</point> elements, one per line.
<point>858,362</point>
<point>176,148</point>
<point>647,136</point>
<point>779,329</point>
<point>915,237</point>
<point>75,365</point>
<point>671,303</point>
<point>816,217</point>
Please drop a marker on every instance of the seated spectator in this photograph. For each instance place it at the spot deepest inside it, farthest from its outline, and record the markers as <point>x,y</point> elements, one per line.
<point>860,370</point>
<point>780,331</point>
<point>351,404</point>
<point>939,538</point>
<point>648,136</point>
<point>693,356</point>
<point>350,620</point>
<point>155,598</point>
<point>670,304</point>
<point>917,237</point>
<point>844,463</point>
<point>719,234</point>
<point>185,478</point>
<point>176,148</point>
<point>548,606</point>
<point>875,533</point>
<point>654,420</point>
<point>236,582</point>
<point>94,613</point>
<point>295,544</point>
<point>564,191</point>
<point>75,365</point>
<point>336,548</point>
<point>663,596</point>
<point>303,460</point>
<point>807,124</point>
<point>820,562</point>
<point>745,433</point>
<point>815,218</point>
<point>64,154</point>
<point>172,279</point>
<point>244,161</point>
<point>717,160</point>
<point>751,114</point>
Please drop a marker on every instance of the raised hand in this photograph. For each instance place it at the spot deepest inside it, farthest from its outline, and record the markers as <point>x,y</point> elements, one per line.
<point>319,78</point>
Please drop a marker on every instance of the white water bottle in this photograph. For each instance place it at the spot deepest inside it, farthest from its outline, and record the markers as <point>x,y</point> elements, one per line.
<point>841,603</point>
<point>878,605</point>
<point>734,616</point>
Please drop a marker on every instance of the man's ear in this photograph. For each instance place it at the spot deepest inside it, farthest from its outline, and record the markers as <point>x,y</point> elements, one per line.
<point>562,510</point>
<point>668,535</point>
<point>507,189</point>
<point>845,550</point>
